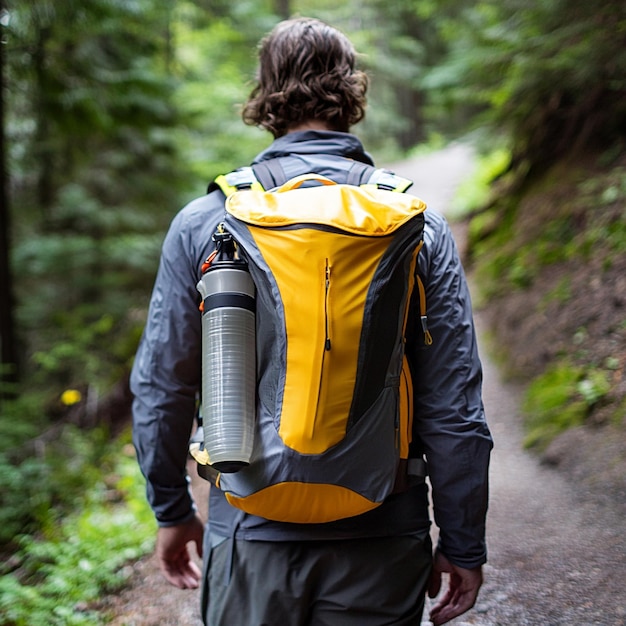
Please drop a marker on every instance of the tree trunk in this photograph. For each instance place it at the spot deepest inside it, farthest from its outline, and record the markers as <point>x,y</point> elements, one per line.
<point>283,9</point>
<point>44,154</point>
<point>410,107</point>
<point>8,343</point>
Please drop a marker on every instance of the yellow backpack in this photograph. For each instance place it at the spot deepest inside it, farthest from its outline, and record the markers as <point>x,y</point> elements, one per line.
<point>334,266</point>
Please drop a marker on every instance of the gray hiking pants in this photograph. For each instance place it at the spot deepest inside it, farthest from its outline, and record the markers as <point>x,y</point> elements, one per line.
<point>354,582</point>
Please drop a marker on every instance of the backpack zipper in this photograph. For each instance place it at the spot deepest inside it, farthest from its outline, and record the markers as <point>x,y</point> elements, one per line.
<point>326,307</point>
<point>322,384</point>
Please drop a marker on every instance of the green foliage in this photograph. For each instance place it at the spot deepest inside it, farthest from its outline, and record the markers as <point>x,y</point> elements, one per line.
<point>95,173</point>
<point>550,73</point>
<point>44,474</point>
<point>41,480</point>
<point>215,63</point>
<point>594,387</point>
<point>561,293</point>
<point>21,419</point>
<point>561,398</point>
<point>88,80</point>
<point>519,236</point>
<point>83,554</point>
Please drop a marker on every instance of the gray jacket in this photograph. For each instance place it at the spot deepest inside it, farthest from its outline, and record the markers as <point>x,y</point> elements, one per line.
<point>450,427</point>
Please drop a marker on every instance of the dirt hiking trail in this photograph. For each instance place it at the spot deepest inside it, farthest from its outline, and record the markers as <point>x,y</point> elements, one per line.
<point>556,557</point>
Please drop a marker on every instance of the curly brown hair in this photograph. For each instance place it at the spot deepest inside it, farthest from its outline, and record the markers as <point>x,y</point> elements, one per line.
<point>306,73</point>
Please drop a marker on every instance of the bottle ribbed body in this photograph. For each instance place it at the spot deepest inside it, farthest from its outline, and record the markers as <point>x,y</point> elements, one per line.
<point>228,366</point>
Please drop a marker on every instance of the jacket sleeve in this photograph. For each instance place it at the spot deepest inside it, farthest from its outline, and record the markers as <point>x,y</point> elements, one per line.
<point>166,376</point>
<point>449,420</point>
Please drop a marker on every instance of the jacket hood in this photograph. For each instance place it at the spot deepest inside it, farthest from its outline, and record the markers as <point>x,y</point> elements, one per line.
<point>316,142</point>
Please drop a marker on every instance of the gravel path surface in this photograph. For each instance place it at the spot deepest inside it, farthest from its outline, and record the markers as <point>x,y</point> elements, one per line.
<point>555,558</point>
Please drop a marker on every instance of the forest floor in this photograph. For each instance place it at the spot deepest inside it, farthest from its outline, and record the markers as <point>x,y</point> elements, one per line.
<point>557,546</point>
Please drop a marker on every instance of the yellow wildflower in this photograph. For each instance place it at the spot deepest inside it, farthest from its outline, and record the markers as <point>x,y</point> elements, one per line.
<point>70,397</point>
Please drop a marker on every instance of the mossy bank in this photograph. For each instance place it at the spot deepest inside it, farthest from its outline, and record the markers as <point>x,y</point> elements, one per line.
<point>549,262</point>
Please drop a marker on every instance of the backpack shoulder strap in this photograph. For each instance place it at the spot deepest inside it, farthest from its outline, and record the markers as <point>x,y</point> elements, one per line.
<point>270,173</point>
<point>359,173</point>
<point>261,176</point>
<point>365,174</point>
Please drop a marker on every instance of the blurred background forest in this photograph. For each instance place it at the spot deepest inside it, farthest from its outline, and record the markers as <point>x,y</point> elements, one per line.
<point>115,113</point>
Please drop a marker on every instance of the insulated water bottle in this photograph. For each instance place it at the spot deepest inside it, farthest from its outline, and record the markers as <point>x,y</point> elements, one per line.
<point>228,361</point>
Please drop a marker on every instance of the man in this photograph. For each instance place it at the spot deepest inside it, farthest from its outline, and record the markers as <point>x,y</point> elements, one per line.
<point>372,569</point>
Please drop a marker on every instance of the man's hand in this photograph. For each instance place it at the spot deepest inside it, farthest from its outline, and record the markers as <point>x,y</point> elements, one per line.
<point>462,589</point>
<point>173,555</point>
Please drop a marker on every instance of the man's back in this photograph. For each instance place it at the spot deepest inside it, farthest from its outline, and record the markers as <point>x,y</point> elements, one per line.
<point>449,424</point>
